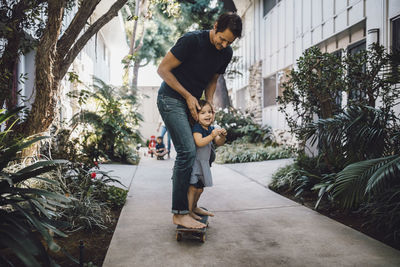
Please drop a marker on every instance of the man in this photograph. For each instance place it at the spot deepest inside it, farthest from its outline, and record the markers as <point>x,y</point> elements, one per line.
<point>192,66</point>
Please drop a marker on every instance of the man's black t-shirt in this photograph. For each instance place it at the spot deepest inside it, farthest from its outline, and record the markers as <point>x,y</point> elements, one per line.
<point>200,62</point>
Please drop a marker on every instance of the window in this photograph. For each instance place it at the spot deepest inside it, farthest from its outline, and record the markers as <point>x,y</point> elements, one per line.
<point>356,94</point>
<point>268,5</point>
<point>269,91</point>
<point>396,34</point>
<point>357,47</point>
<point>395,44</point>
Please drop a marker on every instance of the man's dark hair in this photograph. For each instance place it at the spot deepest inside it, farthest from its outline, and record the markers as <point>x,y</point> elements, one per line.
<point>230,21</point>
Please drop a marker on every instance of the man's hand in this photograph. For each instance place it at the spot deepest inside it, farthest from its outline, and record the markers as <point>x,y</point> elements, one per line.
<point>193,106</point>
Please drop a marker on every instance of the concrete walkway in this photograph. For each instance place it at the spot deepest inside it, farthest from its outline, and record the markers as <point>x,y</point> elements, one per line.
<point>253,226</point>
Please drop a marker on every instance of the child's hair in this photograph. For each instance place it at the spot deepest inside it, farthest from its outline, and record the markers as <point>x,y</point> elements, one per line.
<point>159,137</point>
<point>202,103</point>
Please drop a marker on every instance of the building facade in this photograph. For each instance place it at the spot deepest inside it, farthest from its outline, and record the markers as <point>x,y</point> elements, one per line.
<point>277,32</point>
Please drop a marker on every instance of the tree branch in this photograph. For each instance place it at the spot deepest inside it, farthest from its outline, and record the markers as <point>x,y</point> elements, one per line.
<point>92,30</point>
<point>75,27</point>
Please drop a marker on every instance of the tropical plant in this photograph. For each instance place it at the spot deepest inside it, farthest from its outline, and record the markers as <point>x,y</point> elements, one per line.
<point>362,179</point>
<point>286,179</point>
<point>305,175</point>
<point>86,186</point>
<point>383,212</point>
<point>356,134</point>
<point>239,125</point>
<point>312,90</point>
<point>114,123</point>
<point>239,152</point>
<point>26,213</point>
<point>115,196</point>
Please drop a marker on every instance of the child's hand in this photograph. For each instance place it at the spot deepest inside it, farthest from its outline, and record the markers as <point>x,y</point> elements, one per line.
<point>215,133</point>
<point>223,132</point>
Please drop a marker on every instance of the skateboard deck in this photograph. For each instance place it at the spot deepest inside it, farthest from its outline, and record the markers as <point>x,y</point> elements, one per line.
<point>199,234</point>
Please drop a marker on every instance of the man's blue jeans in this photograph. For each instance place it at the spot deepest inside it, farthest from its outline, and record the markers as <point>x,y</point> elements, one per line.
<point>174,113</point>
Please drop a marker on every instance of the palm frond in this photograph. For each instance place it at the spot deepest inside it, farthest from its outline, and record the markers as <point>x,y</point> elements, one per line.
<point>379,181</point>
<point>351,183</point>
<point>88,117</point>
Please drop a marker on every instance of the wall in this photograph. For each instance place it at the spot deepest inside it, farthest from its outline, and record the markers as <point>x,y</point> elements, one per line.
<point>149,111</point>
<point>278,38</point>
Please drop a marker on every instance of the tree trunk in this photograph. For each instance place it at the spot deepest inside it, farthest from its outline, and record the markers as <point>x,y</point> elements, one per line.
<point>51,66</point>
<point>43,109</point>
<point>65,61</point>
<point>136,66</point>
<point>221,97</point>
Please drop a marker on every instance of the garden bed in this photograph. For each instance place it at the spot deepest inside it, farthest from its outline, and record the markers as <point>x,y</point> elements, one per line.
<point>350,219</point>
<point>96,243</point>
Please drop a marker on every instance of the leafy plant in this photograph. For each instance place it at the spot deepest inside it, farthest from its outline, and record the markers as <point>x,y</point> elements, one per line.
<point>312,90</point>
<point>359,133</point>
<point>239,152</point>
<point>383,212</point>
<point>26,213</point>
<point>115,196</point>
<point>86,186</point>
<point>239,125</point>
<point>286,179</point>
<point>360,180</point>
<point>113,124</point>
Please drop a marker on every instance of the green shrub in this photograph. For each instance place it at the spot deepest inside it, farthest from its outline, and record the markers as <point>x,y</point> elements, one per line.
<point>286,179</point>
<point>86,186</point>
<point>239,152</point>
<point>305,176</point>
<point>383,212</point>
<point>110,129</point>
<point>26,213</point>
<point>239,125</point>
<point>116,196</point>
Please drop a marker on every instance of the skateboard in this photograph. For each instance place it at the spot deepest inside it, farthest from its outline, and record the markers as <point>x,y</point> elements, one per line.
<point>199,234</point>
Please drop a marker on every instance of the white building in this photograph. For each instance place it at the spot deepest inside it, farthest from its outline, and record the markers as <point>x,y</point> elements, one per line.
<point>101,57</point>
<point>148,84</point>
<point>276,33</point>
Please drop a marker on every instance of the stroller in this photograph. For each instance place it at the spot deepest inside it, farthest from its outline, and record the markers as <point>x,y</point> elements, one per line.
<point>152,145</point>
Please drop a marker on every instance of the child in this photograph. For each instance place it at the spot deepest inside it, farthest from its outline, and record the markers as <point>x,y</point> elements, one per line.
<point>160,148</point>
<point>203,134</point>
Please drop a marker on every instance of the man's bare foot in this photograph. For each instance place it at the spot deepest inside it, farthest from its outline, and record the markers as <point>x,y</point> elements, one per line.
<point>200,211</point>
<point>195,216</point>
<point>187,221</point>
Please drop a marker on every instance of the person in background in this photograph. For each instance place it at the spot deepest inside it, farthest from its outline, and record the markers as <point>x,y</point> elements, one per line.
<point>164,131</point>
<point>160,150</point>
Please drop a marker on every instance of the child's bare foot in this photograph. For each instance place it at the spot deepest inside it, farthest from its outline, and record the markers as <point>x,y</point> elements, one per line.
<point>187,221</point>
<point>200,211</point>
<point>195,216</point>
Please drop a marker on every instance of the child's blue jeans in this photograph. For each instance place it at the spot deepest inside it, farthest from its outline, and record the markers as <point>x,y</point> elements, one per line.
<point>174,113</point>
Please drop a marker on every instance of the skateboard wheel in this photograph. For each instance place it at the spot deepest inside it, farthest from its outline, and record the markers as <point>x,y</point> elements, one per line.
<point>178,236</point>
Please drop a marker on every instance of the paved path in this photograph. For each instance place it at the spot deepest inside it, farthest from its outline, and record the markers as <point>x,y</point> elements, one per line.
<point>253,226</point>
